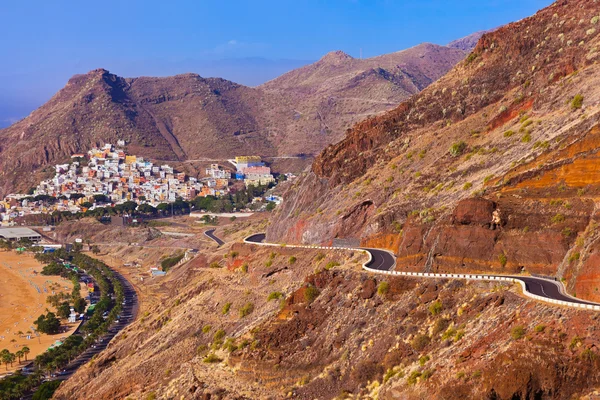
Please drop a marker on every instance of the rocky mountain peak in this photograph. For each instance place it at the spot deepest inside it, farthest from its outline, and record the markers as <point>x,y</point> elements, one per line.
<point>335,57</point>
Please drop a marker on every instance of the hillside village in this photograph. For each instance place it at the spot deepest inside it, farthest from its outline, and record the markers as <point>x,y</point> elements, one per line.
<point>109,176</point>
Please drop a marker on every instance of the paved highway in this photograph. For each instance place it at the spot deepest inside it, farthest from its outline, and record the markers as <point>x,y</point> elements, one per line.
<point>211,234</point>
<point>383,260</point>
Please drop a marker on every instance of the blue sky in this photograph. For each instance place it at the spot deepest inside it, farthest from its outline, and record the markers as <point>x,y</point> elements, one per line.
<point>44,42</point>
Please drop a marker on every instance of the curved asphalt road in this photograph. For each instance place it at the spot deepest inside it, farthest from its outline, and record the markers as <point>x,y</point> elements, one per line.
<point>384,261</point>
<point>211,234</point>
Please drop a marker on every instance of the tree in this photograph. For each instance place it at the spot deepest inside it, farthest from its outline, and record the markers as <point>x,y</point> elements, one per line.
<point>146,208</point>
<point>5,356</point>
<point>25,351</point>
<point>79,305</point>
<point>64,310</point>
<point>270,206</point>
<point>19,355</point>
<point>48,324</point>
<point>100,198</point>
<point>95,249</point>
<point>46,390</point>
<point>162,207</point>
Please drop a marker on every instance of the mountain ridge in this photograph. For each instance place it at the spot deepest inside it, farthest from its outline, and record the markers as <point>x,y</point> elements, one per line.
<point>187,116</point>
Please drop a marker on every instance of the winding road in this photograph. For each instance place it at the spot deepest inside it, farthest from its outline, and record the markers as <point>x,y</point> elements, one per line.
<point>383,261</point>
<point>211,234</point>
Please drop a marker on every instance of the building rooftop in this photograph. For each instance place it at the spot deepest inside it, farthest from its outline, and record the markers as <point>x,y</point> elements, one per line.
<point>18,233</point>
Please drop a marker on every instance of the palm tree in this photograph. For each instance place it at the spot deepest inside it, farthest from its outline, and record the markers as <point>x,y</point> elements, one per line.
<point>5,356</point>
<point>11,358</point>
<point>25,351</point>
<point>19,355</point>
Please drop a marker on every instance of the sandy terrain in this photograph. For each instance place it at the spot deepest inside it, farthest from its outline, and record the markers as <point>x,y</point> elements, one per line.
<point>23,293</point>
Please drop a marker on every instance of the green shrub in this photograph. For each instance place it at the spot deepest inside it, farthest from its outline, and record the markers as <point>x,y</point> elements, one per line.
<point>502,259</point>
<point>244,268</point>
<point>574,257</point>
<point>427,374</point>
<point>226,308</point>
<point>540,328</point>
<point>588,355</point>
<point>331,264</point>
<point>311,293</point>
<point>292,260</point>
<point>383,288</point>
<point>274,296</point>
<point>451,332</point>
<point>170,262</point>
<point>319,257</point>
<point>423,360</point>
<point>206,328</point>
<point>230,345</point>
<point>211,358</point>
<point>420,341</point>
<point>509,133</point>
<point>436,307</point>
<point>390,374</point>
<point>526,137</point>
<point>577,102</point>
<point>576,341</point>
<point>246,310</point>
<point>219,335</point>
<point>457,148</point>
<point>557,219</point>
<point>470,58</point>
<point>215,264</point>
<point>413,377</point>
<point>269,263</point>
<point>467,186</point>
<point>517,332</point>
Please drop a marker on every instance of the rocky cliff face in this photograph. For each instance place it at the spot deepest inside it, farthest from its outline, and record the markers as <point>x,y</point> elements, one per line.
<point>187,117</point>
<point>510,134</point>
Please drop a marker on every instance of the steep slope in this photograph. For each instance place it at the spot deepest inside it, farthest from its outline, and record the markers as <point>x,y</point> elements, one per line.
<point>316,332</point>
<point>187,117</point>
<point>491,167</point>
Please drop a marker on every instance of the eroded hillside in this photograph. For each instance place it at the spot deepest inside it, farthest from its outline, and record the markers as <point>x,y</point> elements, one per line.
<point>493,167</point>
<point>252,322</point>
